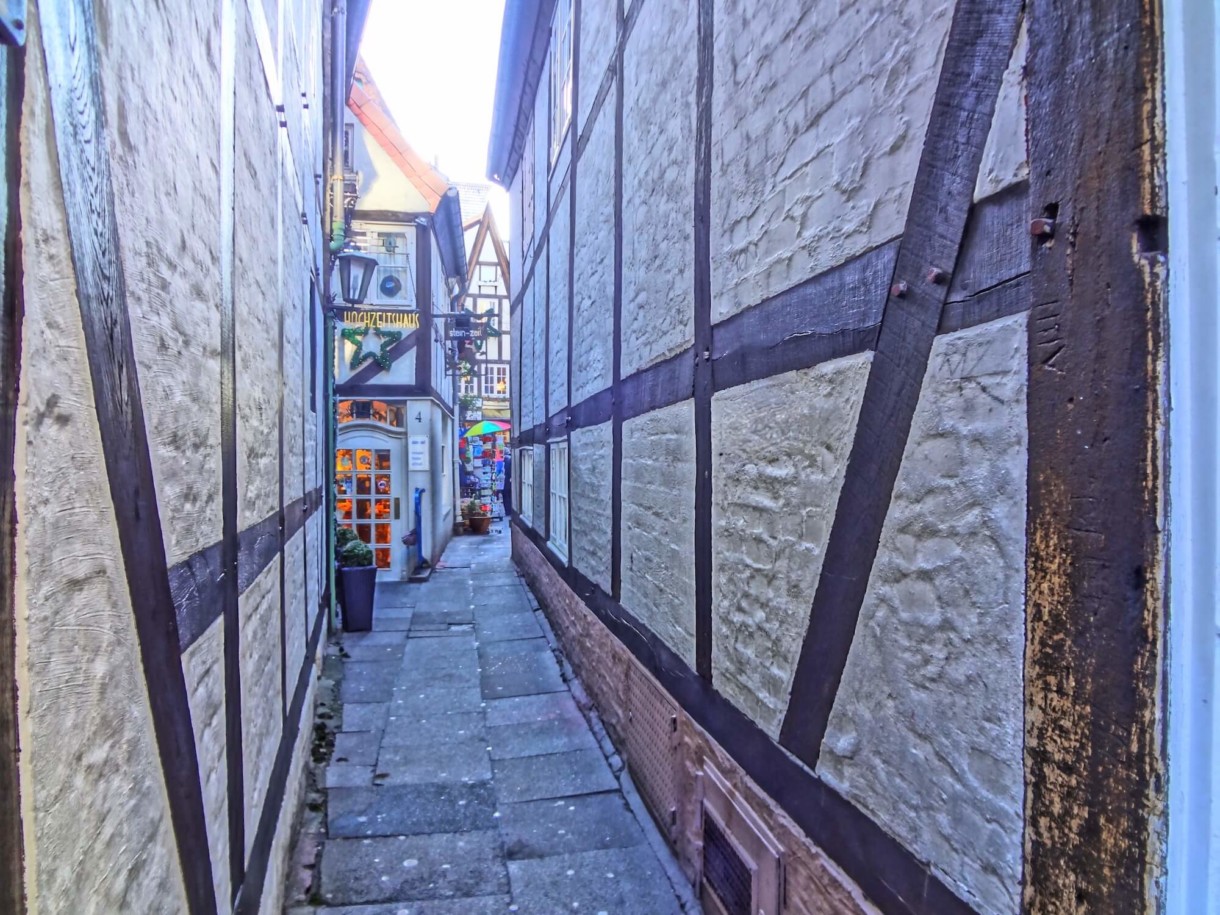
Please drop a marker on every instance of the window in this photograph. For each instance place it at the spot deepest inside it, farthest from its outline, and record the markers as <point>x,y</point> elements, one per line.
<point>525,477</point>
<point>488,290</point>
<point>495,383</point>
<point>469,386</point>
<point>364,496</point>
<point>558,538</point>
<point>370,411</point>
<point>349,142</point>
<point>561,75</point>
<point>487,273</point>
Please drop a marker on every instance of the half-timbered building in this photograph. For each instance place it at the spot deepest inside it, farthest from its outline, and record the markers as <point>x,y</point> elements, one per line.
<point>394,387</point>
<point>837,393</point>
<point>487,299</point>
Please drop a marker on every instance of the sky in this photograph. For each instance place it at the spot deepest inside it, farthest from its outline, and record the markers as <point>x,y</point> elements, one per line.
<point>434,62</point>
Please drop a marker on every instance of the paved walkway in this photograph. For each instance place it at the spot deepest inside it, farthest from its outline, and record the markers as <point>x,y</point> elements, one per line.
<point>464,779</point>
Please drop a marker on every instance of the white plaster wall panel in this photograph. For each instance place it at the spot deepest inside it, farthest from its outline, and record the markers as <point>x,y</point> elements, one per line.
<point>818,118</point>
<point>525,359</point>
<point>514,367</point>
<point>926,732</point>
<point>256,288</point>
<point>1005,158</point>
<point>773,501</point>
<point>516,247</point>
<point>160,91</point>
<point>203,666</point>
<point>294,606</point>
<point>542,155</point>
<point>598,34</point>
<point>593,264</point>
<point>560,298</point>
<point>541,496</point>
<point>295,273</point>
<point>83,705</point>
<point>659,181</point>
<point>277,864</point>
<point>658,525</point>
<point>591,451</point>
<point>541,331</point>
<point>261,712</point>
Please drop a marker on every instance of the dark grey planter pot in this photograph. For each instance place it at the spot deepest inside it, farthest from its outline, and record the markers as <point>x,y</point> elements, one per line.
<point>359,586</point>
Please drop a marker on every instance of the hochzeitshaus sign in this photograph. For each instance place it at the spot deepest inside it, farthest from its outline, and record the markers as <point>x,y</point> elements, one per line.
<point>376,319</point>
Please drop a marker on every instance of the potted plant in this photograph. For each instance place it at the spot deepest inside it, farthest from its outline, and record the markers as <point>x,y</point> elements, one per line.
<point>359,577</point>
<point>479,521</point>
<point>343,536</point>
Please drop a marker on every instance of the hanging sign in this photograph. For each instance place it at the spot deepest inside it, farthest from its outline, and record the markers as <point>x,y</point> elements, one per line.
<point>417,452</point>
<point>376,319</point>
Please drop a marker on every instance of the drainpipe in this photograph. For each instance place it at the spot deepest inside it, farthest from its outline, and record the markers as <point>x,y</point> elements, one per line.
<point>338,90</point>
<point>338,47</point>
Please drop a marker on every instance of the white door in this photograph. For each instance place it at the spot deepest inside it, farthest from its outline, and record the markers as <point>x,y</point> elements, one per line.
<point>369,499</point>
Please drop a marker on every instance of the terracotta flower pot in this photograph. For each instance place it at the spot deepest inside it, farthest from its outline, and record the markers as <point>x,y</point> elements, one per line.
<point>479,524</point>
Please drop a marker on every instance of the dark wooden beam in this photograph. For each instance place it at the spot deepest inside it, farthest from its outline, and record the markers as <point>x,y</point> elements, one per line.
<point>981,39</point>
<point>702,349</point>
<point>12,300</point>
<point>368,372</point>
<point>77,109</point>
<point>1095,612</point>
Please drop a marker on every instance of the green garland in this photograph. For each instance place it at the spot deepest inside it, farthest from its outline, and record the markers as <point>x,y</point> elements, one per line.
<point>355,336</point>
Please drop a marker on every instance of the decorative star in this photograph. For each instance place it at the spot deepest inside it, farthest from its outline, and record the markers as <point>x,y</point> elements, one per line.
<point>355,336</point>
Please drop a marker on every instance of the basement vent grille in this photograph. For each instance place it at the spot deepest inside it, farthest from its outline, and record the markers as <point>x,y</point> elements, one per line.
<point>725,872</point>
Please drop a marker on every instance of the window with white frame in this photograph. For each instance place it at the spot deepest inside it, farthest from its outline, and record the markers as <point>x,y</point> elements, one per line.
<point>487,273</point>
<point>561,75</point>
<point>525,483</point>
<point>558,538</point>
<point>469,385</point>
<point>495,383</point>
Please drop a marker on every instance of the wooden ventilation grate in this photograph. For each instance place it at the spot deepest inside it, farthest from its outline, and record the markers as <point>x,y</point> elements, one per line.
<point>724,871</point>
<point>650,732</point>
<point>742,863</point>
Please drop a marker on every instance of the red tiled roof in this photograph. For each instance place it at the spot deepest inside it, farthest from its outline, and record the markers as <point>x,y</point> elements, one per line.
<point>366,104</point>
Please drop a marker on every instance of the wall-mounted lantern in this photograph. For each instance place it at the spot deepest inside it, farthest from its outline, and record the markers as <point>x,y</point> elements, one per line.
<point>355,274</point>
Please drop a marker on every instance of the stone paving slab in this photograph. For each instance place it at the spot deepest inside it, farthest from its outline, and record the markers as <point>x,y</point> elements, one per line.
<point>357,747</point>
<point>539,829</point>
<point>369,681</point>
<point>541,707</point>
<point>396,594</point>
<point>412,867</point>
<point>452,762</point>
<point>522,675</point>
<point>454,676</point>
<point>435,699</point>
<point>620,881</point>
<point>506,628</point>
<point>432,728</point>
<point>531,778</point>
<point>410,810</point>
<point>514,651</point>
<point>482,905</point>
<point>348,775</point>
<point>365,716</point>
<point>539,738</point>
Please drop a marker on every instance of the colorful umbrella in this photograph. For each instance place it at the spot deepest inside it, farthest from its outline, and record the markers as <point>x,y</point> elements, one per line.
<point>486,427</point>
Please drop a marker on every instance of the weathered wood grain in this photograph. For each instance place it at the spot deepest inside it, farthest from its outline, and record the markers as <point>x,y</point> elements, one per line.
<point>12,93</point>
<point>1095,611</point>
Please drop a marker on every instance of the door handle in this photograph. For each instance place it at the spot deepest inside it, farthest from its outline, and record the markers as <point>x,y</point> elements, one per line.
<point>397,506</point>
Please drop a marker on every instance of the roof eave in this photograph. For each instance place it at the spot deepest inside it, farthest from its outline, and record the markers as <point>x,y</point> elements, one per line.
<point>523,43</point>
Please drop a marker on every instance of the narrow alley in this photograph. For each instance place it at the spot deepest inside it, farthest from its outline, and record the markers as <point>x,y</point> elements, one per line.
<point>464,776</point>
